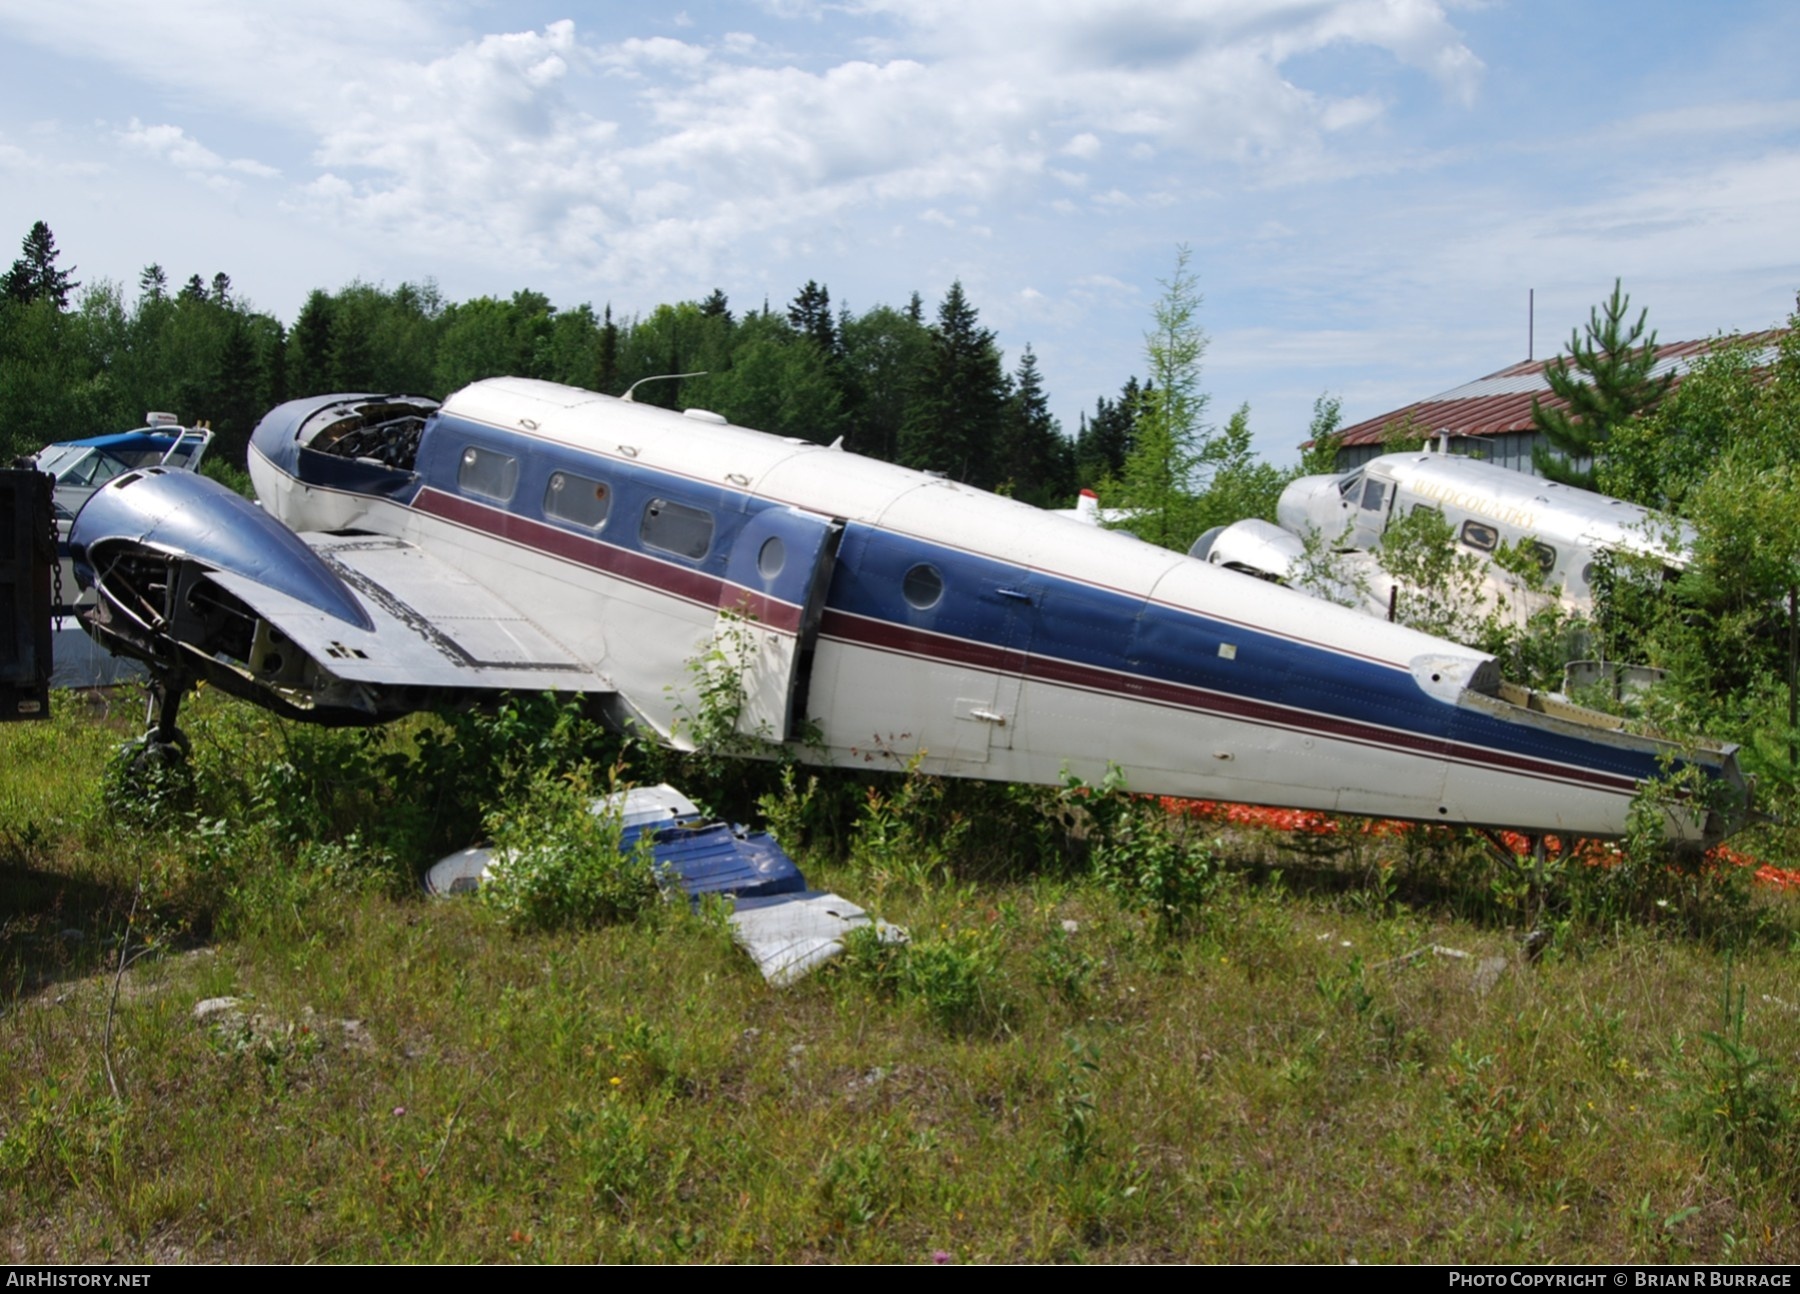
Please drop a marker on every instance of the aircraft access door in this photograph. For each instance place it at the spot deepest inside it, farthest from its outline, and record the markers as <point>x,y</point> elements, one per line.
<point>778,573</point>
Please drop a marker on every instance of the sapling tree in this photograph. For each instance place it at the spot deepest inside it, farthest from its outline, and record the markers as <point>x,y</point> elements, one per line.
<point>1608,377</point>
<point>1158,485</point>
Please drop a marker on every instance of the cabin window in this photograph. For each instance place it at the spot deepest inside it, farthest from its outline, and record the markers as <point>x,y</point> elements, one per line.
<point>487,473</point>
<point>923,587</point>
<point>676,528</point>
<point>577,500</point>
<point>1374,495</point>
<point>771,557</point>
<point>1347,486</point>
<point>1542,554</point>
<point>1480,536</point>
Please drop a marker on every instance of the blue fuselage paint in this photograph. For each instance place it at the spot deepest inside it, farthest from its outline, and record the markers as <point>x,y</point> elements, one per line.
<point>994,615</point>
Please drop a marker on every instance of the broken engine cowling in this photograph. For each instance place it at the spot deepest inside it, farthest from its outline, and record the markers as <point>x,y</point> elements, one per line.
<point>152,543</point>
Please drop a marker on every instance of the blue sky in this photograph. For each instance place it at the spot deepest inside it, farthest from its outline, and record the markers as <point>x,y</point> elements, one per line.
<point>1369,189</point>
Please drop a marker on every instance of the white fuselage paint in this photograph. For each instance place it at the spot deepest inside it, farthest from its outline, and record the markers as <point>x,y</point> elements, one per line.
<point>887,696</point>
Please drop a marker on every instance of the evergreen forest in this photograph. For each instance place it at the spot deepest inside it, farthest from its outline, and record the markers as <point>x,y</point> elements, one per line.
<point>910,384</point>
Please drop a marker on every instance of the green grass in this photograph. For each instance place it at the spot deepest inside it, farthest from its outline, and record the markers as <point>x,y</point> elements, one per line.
<point>1051,1071</point>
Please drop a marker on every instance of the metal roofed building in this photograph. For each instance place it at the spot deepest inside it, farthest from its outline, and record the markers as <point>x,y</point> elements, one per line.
<point>1491,417</point>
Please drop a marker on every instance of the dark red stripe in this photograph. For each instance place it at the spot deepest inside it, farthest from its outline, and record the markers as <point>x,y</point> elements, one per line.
<point>884,636</point>
<point>663,577</point>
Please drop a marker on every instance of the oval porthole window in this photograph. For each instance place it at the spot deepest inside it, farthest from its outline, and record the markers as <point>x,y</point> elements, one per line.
<point>922,587</point>
<point>771,557</point>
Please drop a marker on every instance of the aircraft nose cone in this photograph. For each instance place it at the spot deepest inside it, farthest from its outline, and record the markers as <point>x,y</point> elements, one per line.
<point>1297,508</point>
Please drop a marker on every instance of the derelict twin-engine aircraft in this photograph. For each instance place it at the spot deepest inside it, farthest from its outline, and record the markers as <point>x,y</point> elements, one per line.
<point>529,536</point>
<point>1332,526</point>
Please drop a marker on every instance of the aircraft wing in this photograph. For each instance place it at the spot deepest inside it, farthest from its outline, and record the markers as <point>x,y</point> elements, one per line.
<point>342,628</point>
<point>431,624</point>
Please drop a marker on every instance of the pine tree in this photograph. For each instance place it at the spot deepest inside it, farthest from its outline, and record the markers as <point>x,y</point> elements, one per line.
<point>811,316</point>
<point>153,283</point>
<point>953,419</point>
<point>717,306</point>
<point>1607,378</point>
<point>236,391</point>
<point>221,289</point>
<point>1106,440</point>
<point>351,359</point>
<point>34,276</point>
<point>1034,456</point>
<point>609,352</point>
<point>1238,484</point>
<point>309,372</point>
<point>274,362</point>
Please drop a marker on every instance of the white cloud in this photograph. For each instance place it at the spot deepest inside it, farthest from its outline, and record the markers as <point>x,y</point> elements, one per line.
<point>1346,114</point>
<point>590,149</point>
<point>174,145</point>
<point>652,54</point>
<point>272,63</point>
<point>12,157</point>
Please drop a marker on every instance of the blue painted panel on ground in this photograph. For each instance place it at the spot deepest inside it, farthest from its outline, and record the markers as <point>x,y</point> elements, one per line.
<point>717,858</point>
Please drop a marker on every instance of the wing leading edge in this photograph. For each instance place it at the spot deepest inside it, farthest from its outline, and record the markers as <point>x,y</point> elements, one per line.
<point>342,628</point>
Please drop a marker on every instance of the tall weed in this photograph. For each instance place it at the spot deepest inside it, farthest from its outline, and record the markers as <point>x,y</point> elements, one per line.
<point>1734,1099</point>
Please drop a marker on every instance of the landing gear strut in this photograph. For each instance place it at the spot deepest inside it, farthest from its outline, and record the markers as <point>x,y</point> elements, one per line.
<point>163,743</point>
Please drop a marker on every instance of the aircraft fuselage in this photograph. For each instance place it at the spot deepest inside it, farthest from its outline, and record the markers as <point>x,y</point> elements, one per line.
<point>874,615</point>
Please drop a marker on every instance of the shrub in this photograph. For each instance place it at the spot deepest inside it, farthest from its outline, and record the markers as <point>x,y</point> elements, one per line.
<point>1150,864</point>
<point>558,860</point>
